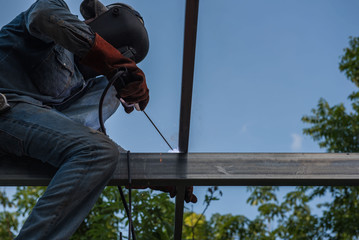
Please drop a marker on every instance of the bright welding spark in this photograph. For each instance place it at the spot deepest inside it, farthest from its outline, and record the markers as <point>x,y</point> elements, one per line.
<point>175,150</point>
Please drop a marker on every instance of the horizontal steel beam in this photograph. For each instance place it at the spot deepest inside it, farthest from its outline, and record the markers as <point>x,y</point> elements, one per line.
<point>207,169</point>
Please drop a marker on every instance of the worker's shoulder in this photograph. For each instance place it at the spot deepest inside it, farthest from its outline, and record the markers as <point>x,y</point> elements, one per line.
<point>48,4</point>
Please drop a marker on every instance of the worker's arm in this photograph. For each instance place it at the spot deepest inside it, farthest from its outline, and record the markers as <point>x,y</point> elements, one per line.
<point>52,21</point>
<point>106,59</point>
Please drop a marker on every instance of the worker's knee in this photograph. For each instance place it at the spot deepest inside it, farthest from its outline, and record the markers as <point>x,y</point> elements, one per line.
<point>97,151</point>
<point>107,151</point>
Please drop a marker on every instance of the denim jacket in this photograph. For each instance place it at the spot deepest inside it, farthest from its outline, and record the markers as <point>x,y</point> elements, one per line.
<point>37,52</point>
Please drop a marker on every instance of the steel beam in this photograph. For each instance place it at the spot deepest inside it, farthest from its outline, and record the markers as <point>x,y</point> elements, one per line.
<point>208,169</point>
<point>189,51</point>
<point>179,212</point>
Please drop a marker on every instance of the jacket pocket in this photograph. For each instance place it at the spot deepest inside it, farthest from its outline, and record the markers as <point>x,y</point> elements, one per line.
<point>55,75</point>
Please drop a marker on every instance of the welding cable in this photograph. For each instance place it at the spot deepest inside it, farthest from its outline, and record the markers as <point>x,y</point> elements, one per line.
<point>102,128</point>
<point>129,195</point>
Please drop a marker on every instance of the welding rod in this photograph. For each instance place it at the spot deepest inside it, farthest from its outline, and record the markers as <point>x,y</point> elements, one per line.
<point>157,129</point>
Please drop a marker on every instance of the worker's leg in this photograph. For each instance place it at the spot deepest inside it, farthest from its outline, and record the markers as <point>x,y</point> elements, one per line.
<point>86,161</point>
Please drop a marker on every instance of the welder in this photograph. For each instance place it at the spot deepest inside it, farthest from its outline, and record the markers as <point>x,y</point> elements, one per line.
<point>53,69</point>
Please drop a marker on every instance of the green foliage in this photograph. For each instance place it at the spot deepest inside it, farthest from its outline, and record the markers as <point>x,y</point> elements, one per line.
<point>8,220</point>
<point>349,63</point>
<point>337,130</point>
<point>103,221</point>
<point>334,128</point>
<point>195,225</point>
<point>289,219</point>
<point>153,215</point>
<point>229,226</point>
<point>25,198</point>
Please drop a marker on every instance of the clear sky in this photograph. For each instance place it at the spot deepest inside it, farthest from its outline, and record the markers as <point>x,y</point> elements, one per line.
<point>260,66</point>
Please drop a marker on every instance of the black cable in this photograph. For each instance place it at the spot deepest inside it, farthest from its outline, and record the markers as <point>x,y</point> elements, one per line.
<point>126,210</point>
<point>102,99</point>
<point>129,195</point>
<point>102,128</point>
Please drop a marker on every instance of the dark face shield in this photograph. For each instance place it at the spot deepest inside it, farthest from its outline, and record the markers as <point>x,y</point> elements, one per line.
<point>123,28</point>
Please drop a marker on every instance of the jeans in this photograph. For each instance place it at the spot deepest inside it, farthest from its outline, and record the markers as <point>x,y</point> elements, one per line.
<point>86,160</point>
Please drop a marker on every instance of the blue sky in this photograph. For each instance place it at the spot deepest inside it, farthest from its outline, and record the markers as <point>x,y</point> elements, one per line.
<point>260,66</point>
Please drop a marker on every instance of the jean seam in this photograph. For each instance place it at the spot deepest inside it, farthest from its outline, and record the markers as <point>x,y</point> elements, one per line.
<point>55,217</point>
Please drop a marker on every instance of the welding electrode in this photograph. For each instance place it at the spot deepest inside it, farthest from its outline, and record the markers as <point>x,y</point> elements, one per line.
<point>157,129</point>
<point>137,107</point>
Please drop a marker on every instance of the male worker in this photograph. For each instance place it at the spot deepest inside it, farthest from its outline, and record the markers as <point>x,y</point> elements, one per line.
<point>53,107</point>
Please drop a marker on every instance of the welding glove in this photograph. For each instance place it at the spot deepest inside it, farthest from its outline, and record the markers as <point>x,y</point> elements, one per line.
<point>188,197</point>
<point>107,60</point>
<point>172,191</point>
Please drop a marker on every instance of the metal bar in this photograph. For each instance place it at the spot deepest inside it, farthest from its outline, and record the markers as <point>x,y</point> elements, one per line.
<point>208,169</point>
<point>179,212</point>
<point>189,51</point>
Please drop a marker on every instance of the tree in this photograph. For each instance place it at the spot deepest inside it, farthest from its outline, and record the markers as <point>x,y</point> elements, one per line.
<point>152,214</point>
<point>8,219</point>
<point>336,129</point>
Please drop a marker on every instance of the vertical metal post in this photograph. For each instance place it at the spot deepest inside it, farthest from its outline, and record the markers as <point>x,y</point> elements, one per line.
<point>179,212</point>
<point>189,51</point>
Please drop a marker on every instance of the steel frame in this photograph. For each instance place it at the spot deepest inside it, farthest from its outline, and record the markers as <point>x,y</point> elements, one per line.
<point>207,169</point>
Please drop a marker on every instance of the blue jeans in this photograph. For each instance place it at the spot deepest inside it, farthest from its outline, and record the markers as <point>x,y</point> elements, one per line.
<point>86,160</point>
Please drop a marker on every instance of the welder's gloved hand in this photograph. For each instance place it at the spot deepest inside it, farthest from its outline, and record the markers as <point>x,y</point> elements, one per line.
<point>172,191</point>
<point>189,196</point>
<point>107,60</point>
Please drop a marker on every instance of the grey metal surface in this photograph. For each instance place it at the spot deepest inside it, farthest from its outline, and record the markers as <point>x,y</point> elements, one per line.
<point>208,169</point>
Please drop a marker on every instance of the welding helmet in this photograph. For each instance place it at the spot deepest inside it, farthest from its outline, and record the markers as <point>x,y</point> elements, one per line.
<point>120,25</point>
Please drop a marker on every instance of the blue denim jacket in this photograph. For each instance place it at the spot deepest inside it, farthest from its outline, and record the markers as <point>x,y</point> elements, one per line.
<point>37,53</point>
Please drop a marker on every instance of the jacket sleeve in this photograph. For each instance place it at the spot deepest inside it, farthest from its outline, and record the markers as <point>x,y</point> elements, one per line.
<point>52,21</point>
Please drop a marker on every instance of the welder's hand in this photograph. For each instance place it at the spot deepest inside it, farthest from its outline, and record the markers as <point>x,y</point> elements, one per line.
<point>133,92</point>
<point>189,196</point>
<point>172,191</point>
<point>107,60</point>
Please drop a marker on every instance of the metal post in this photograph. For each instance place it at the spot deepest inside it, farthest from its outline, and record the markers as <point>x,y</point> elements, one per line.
<point>189,51</point>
